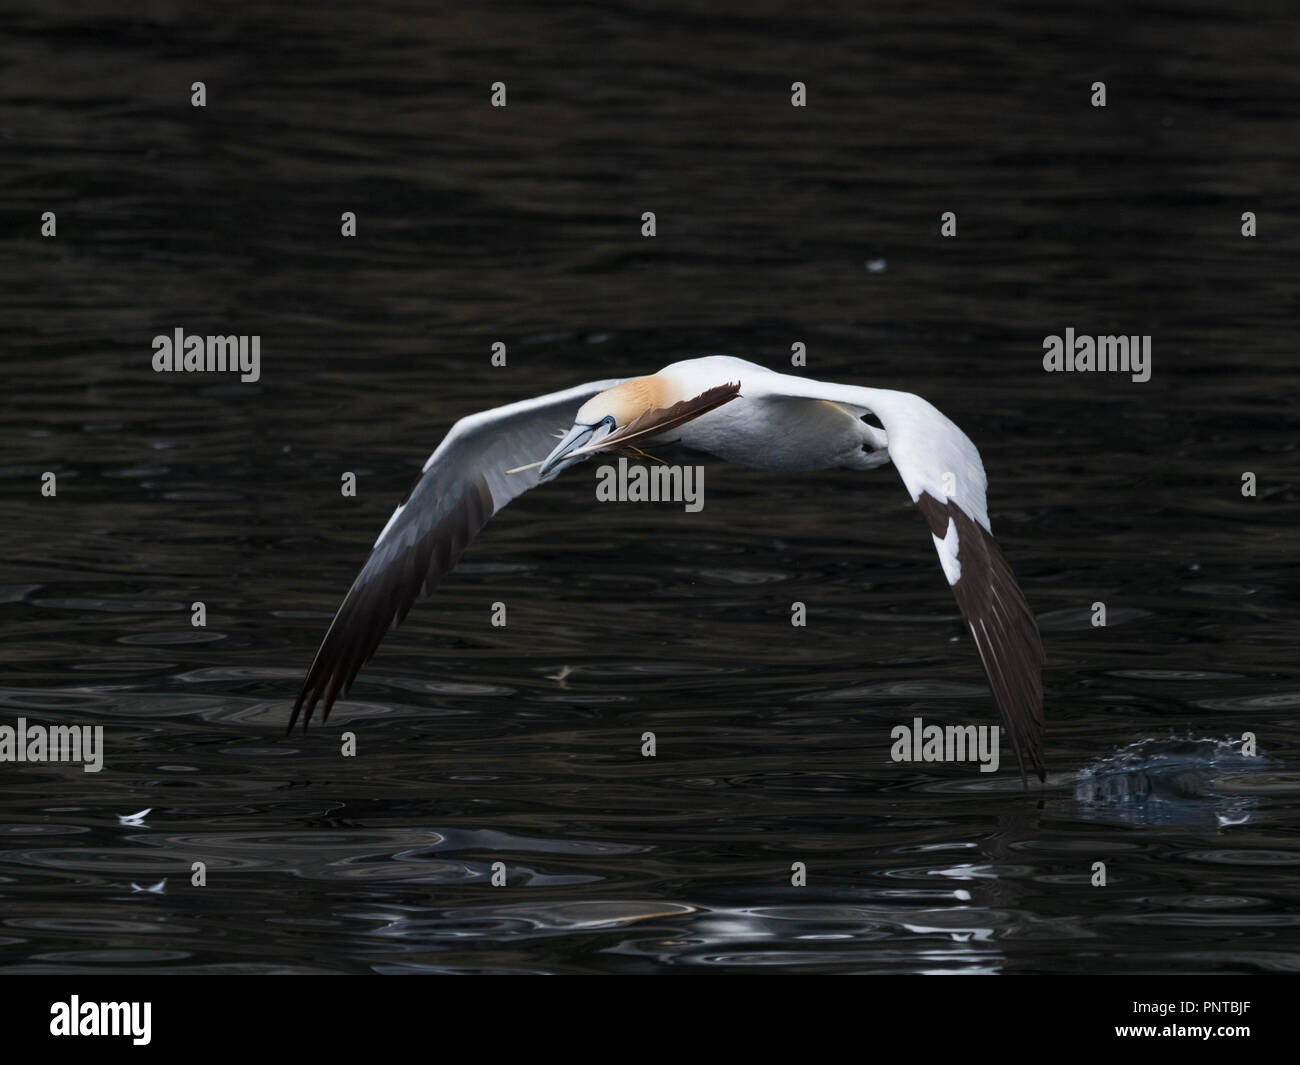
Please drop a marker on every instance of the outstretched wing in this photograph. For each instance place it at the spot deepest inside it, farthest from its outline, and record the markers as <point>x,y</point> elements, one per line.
<point>944,476</point>
<point>462,485</point>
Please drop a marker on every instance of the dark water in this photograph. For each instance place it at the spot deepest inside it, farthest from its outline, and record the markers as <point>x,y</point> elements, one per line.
<point>521,745</point>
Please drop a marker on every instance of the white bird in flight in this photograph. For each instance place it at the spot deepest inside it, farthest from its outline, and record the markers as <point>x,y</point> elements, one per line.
<point>740,412</point>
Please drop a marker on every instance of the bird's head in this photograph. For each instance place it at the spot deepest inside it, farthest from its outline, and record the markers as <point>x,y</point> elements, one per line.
<point>603,414</point>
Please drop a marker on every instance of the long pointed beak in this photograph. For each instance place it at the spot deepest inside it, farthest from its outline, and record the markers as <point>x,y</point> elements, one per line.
<point>574,439</point>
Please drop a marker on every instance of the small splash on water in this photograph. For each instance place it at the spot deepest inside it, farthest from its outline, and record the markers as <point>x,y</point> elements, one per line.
<point>1170,781</point>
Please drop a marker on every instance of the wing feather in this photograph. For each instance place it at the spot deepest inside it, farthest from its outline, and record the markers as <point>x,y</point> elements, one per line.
<point>944,475</point>
<point>462,486</point>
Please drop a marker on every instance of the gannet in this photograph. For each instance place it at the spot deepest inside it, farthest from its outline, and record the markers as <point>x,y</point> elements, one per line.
<point>737,411</point>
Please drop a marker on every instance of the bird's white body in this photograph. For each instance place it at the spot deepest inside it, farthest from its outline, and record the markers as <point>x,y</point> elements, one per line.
<point>767,427</point>
<point>737,411</point>
<point>785,422</point>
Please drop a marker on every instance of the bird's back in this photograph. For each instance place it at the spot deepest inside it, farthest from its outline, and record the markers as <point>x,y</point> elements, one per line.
<point>765,427</point>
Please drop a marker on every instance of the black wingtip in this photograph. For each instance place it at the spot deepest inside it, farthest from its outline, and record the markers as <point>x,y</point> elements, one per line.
<point>319,688</point>
<point>390,582</point>
<point>1003,627</point>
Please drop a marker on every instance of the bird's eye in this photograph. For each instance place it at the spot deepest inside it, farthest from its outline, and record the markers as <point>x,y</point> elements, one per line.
<point>609,419</point>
